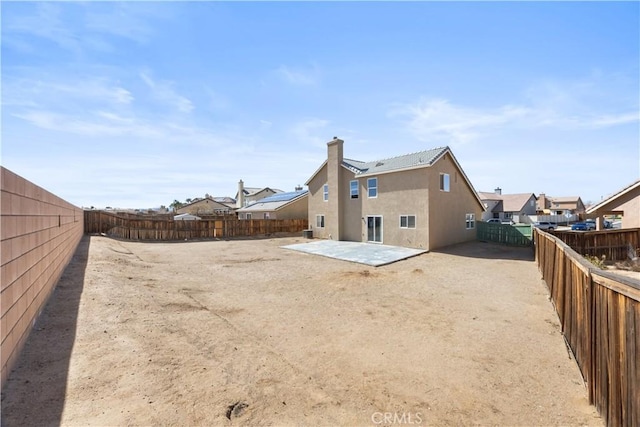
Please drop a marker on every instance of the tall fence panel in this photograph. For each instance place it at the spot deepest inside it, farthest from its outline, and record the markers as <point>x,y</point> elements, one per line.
<point>613,244</point>
<point>599,314</point>
<point>133,228</point>
<point>40,233</point>
<point>513,235</point>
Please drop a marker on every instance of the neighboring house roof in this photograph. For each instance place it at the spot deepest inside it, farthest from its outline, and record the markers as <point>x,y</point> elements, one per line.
<point>224,199</point>
<point>221,206</point>
<point>568,199</point>
<point>252,191</point>
<point>186,216</point>
<point>274,202</point>
<point>614,196</point>
<point>509,202</point>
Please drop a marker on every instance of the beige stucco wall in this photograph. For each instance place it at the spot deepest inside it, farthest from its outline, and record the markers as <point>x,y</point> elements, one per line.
<point>399,193</point>
<point>39,234</point>
<point>317,206</point>
<point>629,205</point>
<point>447,210</point>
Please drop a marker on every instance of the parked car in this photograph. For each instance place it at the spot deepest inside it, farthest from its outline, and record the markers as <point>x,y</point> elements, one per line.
<point>580,226</point>
<point>500,221</point>
<point>546,225</point>
<point>608,224</point>
<point>591,224</point>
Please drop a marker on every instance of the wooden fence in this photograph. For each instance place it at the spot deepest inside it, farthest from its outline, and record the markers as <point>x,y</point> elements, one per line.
<point>513,235</point>
<point>599,314</point>
<point>132,228</point>
<point>613,244</point>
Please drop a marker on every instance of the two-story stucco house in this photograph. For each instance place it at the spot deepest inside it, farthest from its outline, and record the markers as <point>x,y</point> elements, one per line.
<point>419,200</point>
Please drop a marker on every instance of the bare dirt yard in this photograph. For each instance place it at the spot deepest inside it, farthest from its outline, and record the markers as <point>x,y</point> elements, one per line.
<point>246,333</point>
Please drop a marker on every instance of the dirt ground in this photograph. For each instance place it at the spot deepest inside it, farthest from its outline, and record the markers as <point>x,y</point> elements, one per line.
<point>247,333</point>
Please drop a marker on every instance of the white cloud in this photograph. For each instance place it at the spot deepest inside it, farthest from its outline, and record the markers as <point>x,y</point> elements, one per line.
<point>163,91</point>
<point>310,131</point>
<point>299,76</point>
<point>440,120</point>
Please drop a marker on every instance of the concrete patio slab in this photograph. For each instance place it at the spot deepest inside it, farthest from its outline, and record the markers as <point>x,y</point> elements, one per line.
<point>364,253</point>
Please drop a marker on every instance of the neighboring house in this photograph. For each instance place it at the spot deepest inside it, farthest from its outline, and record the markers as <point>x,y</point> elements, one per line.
<point>186,217</point>
<point>248,195</point>
<point>515,207</point>
<point>419,200</point>
<point>625,202</point>
<point>559,205</point>
<point>227,201</point>
<point>206,206</point>
<point>292,205</point>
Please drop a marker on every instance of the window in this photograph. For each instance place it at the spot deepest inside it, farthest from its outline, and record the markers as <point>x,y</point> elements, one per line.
<point>247,216</point>
<point>508,215</point>
<point>407,221</point>
<point>320,221</point>
<point>471,221</point>
<point>266,215</point>
<point>372,187</point>
<point>444,182</point>
<point>325,192</point>
<point>353,189</point>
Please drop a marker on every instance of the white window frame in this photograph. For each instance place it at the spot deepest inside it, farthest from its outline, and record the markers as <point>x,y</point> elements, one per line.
<point>445,182</point>
<point>407,222</point>
<point>247,215</point>
<point>470,221</point>
<point>267,215</point>
<point>319,221</point>
<point>354,194</point>
<point>325,192</point>
<point>374,187</point>
<point>508,215</point>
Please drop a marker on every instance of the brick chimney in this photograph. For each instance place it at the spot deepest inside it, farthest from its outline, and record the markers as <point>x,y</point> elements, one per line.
<point>542,201</point>
<point>334,163</point>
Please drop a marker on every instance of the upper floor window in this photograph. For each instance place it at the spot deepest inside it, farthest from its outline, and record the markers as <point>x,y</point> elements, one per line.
<point>325,192</point>
<point>353,189</point>
<point>372,187</point>
<point>444,182</point>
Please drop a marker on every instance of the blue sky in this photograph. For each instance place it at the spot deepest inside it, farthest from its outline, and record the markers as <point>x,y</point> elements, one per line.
<point>136,104</point>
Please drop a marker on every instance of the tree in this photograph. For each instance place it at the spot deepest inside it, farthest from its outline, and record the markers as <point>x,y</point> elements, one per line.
<point>176,205</point>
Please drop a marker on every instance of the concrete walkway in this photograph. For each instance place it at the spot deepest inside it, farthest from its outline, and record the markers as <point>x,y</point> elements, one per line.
<point>364,253</point>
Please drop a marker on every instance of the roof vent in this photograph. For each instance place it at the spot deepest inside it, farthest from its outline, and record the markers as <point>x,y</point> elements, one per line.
<point>379,164</point>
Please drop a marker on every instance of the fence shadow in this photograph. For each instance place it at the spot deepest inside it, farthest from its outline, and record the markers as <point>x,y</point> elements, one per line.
<point>35,390</point>
<point>489,250</point>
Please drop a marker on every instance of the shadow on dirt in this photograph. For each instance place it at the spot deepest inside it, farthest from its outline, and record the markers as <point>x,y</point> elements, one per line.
<point>35,390</point>
<point>488,250</point>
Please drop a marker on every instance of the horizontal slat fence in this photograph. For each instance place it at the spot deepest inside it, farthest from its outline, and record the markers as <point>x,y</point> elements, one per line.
<point>599,314</point>
<point>613,244</point>
<point>513,235</point>
<point>132,228</point>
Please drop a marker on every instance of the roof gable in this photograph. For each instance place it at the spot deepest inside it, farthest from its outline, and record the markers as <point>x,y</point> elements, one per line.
<point>614,196</point>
